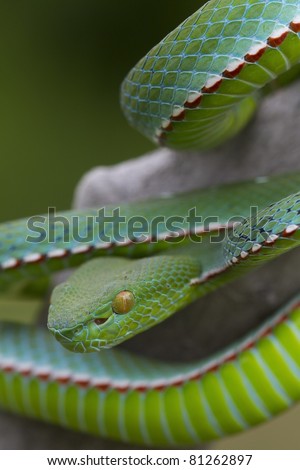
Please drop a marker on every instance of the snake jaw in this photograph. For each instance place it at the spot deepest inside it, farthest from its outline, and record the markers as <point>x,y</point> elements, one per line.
<point>101,329</point>
<point>88,336</point>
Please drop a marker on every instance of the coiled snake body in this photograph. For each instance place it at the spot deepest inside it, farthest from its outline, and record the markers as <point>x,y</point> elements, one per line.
<point>197,88</point>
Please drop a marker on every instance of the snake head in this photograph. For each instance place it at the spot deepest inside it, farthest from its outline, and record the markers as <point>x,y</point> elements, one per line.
<point>107,301</point>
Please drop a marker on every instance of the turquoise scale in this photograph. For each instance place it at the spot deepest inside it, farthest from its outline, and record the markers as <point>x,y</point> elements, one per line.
<point>197,88</point>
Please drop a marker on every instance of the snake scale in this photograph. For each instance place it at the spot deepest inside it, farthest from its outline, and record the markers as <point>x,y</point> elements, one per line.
<point>195,89</point>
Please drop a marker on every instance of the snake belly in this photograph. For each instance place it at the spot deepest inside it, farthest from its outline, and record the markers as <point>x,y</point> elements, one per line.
<point>195,89</point>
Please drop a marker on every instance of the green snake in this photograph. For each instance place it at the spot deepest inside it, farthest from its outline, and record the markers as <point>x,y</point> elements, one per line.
<point>195,89</point>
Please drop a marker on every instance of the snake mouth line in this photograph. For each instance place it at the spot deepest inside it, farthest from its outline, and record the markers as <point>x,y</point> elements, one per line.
<point>92,345</point>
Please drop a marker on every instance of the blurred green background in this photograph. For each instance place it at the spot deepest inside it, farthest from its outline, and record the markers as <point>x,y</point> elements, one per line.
<point>61,66</point>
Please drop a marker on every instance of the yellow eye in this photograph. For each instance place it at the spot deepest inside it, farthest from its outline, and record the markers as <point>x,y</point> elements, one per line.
<point>123,302</point>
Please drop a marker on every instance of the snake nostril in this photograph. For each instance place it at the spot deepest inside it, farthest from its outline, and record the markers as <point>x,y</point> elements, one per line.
<point>77,330</point>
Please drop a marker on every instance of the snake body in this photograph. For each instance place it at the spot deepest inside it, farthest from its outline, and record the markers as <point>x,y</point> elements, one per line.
<point>197,88</point>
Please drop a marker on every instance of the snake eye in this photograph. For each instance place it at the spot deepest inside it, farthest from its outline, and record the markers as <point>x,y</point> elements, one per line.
<point>123,302</point>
